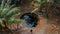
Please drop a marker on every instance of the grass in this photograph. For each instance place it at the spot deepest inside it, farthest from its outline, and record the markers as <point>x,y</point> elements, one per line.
<point>7,13</point>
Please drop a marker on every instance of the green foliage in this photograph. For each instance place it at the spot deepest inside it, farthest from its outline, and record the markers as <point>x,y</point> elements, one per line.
<point>40,1</point>
<point>56,1</point>
<point>6,13</point>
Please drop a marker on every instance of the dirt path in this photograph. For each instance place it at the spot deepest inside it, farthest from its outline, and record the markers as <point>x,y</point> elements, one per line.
<point>42,28</point>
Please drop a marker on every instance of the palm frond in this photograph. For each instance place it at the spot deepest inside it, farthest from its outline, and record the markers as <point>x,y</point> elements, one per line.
<point>35,10</point>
